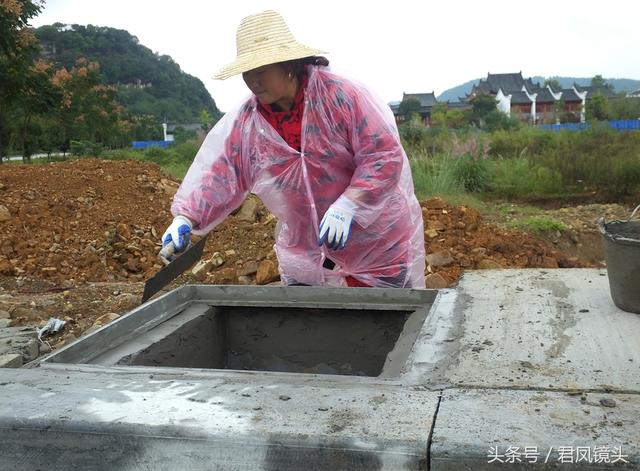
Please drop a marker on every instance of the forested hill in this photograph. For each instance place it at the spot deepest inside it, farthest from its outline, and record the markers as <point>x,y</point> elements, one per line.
<point>148,83</point>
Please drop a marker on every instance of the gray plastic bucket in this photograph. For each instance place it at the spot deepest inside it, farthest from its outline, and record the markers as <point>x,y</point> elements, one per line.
<point>622,254</point>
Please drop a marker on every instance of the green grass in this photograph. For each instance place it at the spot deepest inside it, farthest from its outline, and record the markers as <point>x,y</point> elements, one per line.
<point>539,225</point>
<point>526,162</point>
<point>433,176</point>
<point>173,161</point>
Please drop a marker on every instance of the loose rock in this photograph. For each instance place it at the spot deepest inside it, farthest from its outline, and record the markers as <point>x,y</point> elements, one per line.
<point>435,281</point>
<point>267,272</point>
<point>5,215</point>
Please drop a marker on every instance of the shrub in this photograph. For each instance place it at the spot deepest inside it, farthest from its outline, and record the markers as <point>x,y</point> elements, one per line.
<point>413,133</point>
<point>469,156</point>
<point>540,225</point>
<point>434,175</point>
<point>418,139</point>
<point>521,177</point>
<point>524,141</point>
<point>626,177</point>
<point>590,159</point>
<point>86,148</point>
<point>471,173</point>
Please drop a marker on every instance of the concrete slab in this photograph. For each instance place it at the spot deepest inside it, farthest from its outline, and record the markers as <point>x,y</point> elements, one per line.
<point>10,360</point>
<point>529,329</point>
<point>513,364</point>
<point>98,418</point>
<point>484,429</point>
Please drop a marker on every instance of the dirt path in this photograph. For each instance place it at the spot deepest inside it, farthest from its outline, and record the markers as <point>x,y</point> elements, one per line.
<point>78,239</point>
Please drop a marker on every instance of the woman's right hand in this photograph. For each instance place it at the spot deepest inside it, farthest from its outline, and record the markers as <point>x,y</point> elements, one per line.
<point>179,232</point>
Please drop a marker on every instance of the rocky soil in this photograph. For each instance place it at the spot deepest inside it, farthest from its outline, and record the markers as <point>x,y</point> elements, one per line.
<point>78,239</point>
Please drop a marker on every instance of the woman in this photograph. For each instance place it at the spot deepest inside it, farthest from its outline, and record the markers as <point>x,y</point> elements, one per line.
<point>324,156</point>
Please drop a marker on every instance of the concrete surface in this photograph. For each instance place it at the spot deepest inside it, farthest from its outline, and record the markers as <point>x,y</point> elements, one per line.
<point>508,367</point>
<point>530,329</point>
<point>132,419</point>
<point>481,429</point>
<point>531,359</point>
<point>22,341</point>
<point>10,360</point>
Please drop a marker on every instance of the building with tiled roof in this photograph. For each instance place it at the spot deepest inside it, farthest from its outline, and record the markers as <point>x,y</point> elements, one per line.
<point>532,102</point>
<point>519,97</point>
<point>427,102</point>
<point>593,89</point>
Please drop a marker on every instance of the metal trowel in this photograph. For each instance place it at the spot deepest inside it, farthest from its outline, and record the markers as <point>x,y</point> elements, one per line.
<point>176,264</point>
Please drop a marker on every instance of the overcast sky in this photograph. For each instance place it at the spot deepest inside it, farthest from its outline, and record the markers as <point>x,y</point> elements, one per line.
<point>393,46</point>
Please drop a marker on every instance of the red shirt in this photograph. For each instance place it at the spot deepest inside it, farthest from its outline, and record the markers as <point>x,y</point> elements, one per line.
<point>288,123</point>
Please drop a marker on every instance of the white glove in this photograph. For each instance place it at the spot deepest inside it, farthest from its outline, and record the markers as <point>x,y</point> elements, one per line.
<point>179,232</point>
<point>335,226</point>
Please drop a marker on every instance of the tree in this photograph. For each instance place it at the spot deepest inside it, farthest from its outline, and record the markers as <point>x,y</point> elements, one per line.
<point>14,18</point>
<point>497,120</point>
<point>182,135</point>
<point>38,97</point>
<point>624,108</point>
<point>441,115</point>
<point>147,83</point>
<point>598,81</point>
<point>408,106</point>
<point>481,106</point>
<point>17,49</point>
<point>88,109</point>
<point>554,82</point>
<point>598,107</point>
<point>206,120</point>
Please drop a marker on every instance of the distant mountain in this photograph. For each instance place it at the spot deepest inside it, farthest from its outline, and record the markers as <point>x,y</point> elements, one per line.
<point>455,93</point>
<point>619,85</point>
<point>148,83</point>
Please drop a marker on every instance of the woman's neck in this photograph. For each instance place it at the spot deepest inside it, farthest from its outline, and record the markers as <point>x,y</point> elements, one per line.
<point>286,102</point>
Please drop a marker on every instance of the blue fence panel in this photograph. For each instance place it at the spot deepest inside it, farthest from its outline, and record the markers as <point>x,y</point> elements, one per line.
<point>565,126</point>
<point>625,124</point>
<point>617,124</point>
<point>145,144</point>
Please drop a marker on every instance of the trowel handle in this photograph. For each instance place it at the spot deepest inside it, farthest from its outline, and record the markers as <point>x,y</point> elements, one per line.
<point>167,252</point>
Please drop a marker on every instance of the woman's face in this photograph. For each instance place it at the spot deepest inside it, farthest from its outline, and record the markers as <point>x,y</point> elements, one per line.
<point>270,84</point>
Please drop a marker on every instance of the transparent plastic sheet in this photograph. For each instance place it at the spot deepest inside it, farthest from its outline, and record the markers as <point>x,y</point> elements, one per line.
<point>350,147</point>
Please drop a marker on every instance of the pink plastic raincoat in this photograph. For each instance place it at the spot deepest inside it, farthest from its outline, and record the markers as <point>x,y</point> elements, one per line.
<point>350,146</point>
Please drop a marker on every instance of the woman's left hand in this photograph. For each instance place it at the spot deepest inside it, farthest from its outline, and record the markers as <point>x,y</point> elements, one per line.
<point>335,226</point>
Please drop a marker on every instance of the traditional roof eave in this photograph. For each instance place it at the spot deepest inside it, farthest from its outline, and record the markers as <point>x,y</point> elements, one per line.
<point>503,102</point>
<point>555,95</point>
<point>582,95</point>
<point>531,96</point>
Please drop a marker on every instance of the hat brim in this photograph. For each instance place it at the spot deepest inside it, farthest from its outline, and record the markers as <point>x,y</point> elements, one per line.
<point>281,53</point>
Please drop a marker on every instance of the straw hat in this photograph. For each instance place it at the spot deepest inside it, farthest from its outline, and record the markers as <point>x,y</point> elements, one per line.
<point>264,39</point>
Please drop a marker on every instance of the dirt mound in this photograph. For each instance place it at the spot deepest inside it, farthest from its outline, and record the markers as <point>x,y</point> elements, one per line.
<point>457,239</point>
<point>78,238</point>
<point>99,220</point>
<point>88,220</point>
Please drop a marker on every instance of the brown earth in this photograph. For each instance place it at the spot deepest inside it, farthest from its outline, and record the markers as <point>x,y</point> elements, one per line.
<point>78,239</point>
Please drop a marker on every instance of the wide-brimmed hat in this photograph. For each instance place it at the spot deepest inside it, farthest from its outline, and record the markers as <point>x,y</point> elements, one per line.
<point>264,39</point>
